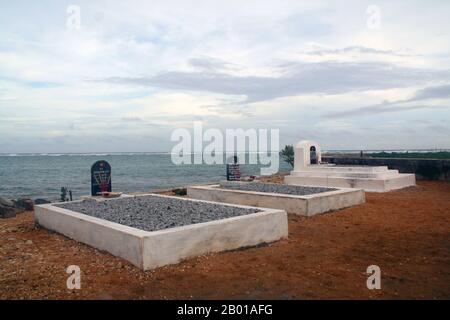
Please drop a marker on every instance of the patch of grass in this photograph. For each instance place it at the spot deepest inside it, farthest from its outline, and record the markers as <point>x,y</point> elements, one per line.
<point>412,155</point>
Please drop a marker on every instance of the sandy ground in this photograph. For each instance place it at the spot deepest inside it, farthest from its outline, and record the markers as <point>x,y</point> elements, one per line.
<point>406,233</point>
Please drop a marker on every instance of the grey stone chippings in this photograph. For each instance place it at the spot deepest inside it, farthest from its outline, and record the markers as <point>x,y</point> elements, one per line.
<point>151,213</point>
<point>273,188</point>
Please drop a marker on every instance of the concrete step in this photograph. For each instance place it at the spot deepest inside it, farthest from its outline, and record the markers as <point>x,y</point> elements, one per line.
<point>340,174</point>
<point>328,167</point>
<point>399,181</point>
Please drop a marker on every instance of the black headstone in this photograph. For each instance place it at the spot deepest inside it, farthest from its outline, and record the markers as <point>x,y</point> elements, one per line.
<point>233,170</point>
<point>100,178</point>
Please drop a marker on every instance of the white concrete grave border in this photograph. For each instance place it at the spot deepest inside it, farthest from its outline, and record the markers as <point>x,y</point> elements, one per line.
<point>304,205</point>
<point>152,249</point>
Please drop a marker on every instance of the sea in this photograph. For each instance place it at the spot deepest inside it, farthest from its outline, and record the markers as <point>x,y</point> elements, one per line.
<point>43,175</point>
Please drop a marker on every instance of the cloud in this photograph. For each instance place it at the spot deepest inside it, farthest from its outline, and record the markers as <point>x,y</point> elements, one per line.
<point>357,49</point>
<point>131,119</point>
<point>373,110</point>
<point>265,64</point>
<point>434,92</point>
<point>209,64</point>
<point>297,79</point>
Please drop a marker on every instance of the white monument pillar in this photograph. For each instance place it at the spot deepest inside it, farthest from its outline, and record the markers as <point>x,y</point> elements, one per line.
<point>307,152</point>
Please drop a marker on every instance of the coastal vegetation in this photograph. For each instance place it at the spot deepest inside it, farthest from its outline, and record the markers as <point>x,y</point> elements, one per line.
<point>413,155</point>
<point>287,154</point>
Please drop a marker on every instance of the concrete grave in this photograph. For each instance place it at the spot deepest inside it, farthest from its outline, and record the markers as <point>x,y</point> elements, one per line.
<point>305,201</point>
<point>310,171</point>
<point>153,230</point>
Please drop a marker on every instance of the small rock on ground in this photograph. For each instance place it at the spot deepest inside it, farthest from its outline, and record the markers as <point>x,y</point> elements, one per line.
<point>6,202</point>
<point>7,212</point>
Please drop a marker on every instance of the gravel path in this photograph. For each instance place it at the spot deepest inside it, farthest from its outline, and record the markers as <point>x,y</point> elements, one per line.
<point>151,213</point>
<point>273,188</point>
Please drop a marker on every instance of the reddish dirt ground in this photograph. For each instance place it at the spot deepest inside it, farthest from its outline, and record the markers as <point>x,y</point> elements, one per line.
<point>406,233</point>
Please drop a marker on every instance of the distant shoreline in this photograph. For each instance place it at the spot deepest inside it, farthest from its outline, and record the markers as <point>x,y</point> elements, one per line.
<point>325,151</point>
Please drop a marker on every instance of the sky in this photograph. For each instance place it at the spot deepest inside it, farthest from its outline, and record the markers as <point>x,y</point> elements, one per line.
<point>121,76</point>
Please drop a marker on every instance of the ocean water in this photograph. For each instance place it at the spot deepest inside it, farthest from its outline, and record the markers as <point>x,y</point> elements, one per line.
<point>43,175</point>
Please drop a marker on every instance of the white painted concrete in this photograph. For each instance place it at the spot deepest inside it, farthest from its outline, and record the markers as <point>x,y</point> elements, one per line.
<point>373,182</point>
<point>369,178</point>
<point>307,205</point>
<point>148,250</point>
<point>173,245</point>
<point>302,154</point>
<point>120,240</point>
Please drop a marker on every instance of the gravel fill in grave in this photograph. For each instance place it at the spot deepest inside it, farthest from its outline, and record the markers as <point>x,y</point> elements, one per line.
<point>151,213</point>
<point>273,188</point>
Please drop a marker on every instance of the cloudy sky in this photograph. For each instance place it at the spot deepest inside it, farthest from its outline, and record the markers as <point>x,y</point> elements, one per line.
<point>350,74</point>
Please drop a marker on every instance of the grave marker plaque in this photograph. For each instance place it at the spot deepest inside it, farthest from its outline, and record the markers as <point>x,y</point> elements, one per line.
<point>233,170</point>
<point>100,178</point>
